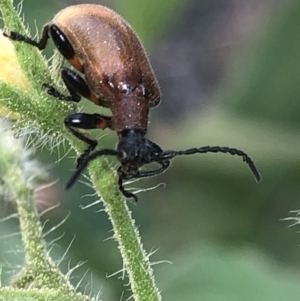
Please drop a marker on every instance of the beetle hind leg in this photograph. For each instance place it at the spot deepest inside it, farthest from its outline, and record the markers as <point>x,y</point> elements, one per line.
<point>41,44</point>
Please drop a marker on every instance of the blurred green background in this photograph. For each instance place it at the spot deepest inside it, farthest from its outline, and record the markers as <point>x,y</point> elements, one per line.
<point>230,75</point>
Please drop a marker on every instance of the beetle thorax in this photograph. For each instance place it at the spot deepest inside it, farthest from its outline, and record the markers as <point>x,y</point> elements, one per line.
<point>129,112</point>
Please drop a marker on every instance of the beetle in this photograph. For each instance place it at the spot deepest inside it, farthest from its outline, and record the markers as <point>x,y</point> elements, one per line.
<point>117,75</point>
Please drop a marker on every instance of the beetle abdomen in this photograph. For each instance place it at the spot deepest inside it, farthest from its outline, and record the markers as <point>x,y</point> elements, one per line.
<point>111,54</point>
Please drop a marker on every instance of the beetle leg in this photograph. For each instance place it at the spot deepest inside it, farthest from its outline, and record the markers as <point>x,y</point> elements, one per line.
<point>41,44</point>
<point>91,142</point>
<point>87,122</point>
<point>144,174</point>
<point>51,90</point>
<point>141,174</point>
<point>64,47</point>
<point>126,193</point>
<point>75,84</point>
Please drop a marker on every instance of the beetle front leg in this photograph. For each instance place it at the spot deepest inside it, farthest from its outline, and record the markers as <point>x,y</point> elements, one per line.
<point>164,166</point>
<point>126,193</point>
<point>87,122</point>
<point>150,173</point>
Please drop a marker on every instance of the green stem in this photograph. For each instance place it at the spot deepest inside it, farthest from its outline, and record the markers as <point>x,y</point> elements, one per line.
<point>135,259</point>
<point>9,294</point>
<point>39,269</point>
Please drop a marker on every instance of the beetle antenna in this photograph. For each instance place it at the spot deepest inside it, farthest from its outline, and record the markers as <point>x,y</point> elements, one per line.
<point>84,164</point>
<point>213,149</point>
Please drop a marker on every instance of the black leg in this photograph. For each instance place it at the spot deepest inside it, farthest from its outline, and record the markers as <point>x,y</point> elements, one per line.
<point>41,44</point>
<point>145,174</point>
<point>75,84</point>
<point>64,47</point>
<point>78,172</point>
<point>140,174</point>
<point>86,121</point>
<point>61,42</point>
<point>51,90</point>
<point>91,142</point>
<point>126,193</point>
<point>59,39</point>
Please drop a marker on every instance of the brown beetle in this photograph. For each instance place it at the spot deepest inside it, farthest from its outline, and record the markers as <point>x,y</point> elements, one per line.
<point>101,44</point>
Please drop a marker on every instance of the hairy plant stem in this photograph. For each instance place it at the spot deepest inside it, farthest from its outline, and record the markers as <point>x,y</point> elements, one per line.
<point>40,270</point>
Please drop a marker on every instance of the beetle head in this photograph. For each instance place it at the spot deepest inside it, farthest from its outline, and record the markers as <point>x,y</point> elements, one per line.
<point>136,150</point>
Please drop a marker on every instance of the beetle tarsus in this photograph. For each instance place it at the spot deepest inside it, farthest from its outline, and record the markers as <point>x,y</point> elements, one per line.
<point>126,193</point>
<point>85,154</point>
<point>41,44</point>
<point>51,90</point>
<point>15,36</point>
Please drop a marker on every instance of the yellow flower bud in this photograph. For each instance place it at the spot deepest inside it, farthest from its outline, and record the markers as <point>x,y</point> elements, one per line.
<point>10,72</point>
